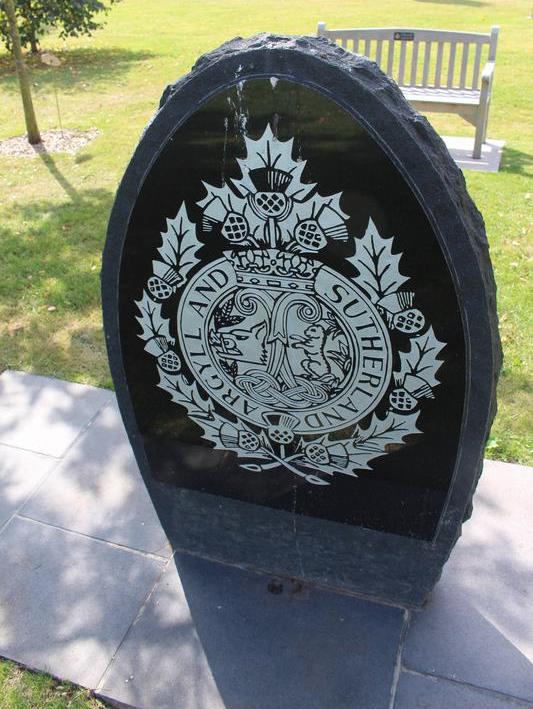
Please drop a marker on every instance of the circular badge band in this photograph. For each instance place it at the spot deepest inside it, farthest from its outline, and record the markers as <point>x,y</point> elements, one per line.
<point>316,348</point>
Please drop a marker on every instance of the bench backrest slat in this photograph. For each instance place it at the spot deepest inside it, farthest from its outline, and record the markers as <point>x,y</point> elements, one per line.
<point>390,57</point>
<point>427,56</point>
<point>464,65</point>
<point>438,65</point>
<point>477,65</point>
<point>422,35</point>
<point>401,68</point>
<point>416,61</point>
<point>379,50</point>
<point>451,65</point>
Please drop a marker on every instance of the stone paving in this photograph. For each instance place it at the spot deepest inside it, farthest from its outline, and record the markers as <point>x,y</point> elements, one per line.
<point>91,592</point>
<point>461,151</point>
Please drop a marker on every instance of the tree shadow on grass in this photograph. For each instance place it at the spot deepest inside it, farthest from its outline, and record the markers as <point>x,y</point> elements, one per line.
<point>58,176</point>
<point>51,258</point>
<point>53,238</point>
<point>90,66</point>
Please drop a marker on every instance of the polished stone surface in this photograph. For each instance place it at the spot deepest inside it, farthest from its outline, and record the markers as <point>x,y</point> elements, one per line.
<point>403,490</point>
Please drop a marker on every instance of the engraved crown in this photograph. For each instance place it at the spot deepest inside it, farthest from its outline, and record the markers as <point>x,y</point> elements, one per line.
<point>271,268</point>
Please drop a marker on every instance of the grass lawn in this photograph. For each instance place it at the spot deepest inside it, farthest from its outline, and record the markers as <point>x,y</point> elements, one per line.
<point>54,209</point>
<point>21,689</point>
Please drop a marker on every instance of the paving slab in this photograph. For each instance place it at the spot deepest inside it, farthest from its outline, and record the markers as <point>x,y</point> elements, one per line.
<point>214,636</point>
<point>66,601</point>
<point>423,692</point>
<point>162,662</point>
<point>461,148</point>
<point>478,624</point>
<point>20,473</point>
<point>45,415</point>
<point>97,490</point>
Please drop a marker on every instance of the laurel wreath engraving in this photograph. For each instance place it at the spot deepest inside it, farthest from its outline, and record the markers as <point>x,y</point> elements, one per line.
<point>312,222</point>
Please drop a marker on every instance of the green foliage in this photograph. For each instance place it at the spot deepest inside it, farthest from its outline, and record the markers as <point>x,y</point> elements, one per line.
<point>70,18</point>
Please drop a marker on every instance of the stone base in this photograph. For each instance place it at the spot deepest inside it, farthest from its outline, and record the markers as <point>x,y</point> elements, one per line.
<point>461,151</point>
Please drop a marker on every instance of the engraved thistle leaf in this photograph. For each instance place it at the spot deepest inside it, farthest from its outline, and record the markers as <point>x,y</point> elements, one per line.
<point>202,413</point>
<point>187,395</point>
<point>180,244</point>
<point>372,442</point>
<point>421,360</point>
<point>151,319</point>
<point>379,272</point>
<point>273,154</point>
<point>218,201</point>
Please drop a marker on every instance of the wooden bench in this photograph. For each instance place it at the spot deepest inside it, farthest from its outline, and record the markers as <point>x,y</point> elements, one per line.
<point>436,70</point>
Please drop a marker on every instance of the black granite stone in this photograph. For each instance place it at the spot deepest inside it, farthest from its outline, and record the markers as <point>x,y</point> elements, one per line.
<point>300,317</point>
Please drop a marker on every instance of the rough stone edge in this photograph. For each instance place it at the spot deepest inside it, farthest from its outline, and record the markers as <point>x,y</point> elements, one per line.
<point>418,127</point>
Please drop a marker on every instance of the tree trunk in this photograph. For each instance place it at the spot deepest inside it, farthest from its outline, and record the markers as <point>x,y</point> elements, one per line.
<point>34,44</point>
<point>29,114</point>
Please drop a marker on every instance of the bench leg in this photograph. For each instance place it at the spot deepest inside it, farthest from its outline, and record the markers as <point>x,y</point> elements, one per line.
<point>478,140</point>
<point>485,124</point>
<point>481,130</point>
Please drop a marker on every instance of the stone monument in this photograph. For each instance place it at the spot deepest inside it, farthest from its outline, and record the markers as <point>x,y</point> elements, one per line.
<point>300,317</point>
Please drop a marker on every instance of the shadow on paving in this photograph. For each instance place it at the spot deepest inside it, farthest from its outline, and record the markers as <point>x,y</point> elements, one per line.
<point>97,490</point>
<point>221,637</point>
<point>246,658</point>
<point>92,66</point>
<point>280,643</point>
<point>224,637</point>
<point>66,601</point>
<point>217,636</point>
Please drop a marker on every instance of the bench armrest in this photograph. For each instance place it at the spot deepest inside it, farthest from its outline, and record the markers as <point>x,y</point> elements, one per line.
<point>488,72</point>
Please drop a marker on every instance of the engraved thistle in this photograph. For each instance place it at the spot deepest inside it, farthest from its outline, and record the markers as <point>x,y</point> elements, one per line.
<point>278,356</point>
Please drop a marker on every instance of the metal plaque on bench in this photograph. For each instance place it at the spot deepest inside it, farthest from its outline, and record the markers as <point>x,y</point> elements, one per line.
<point>300,316</point>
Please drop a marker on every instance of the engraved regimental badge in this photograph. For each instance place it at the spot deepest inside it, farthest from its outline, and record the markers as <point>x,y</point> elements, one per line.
<point>278,356</point>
